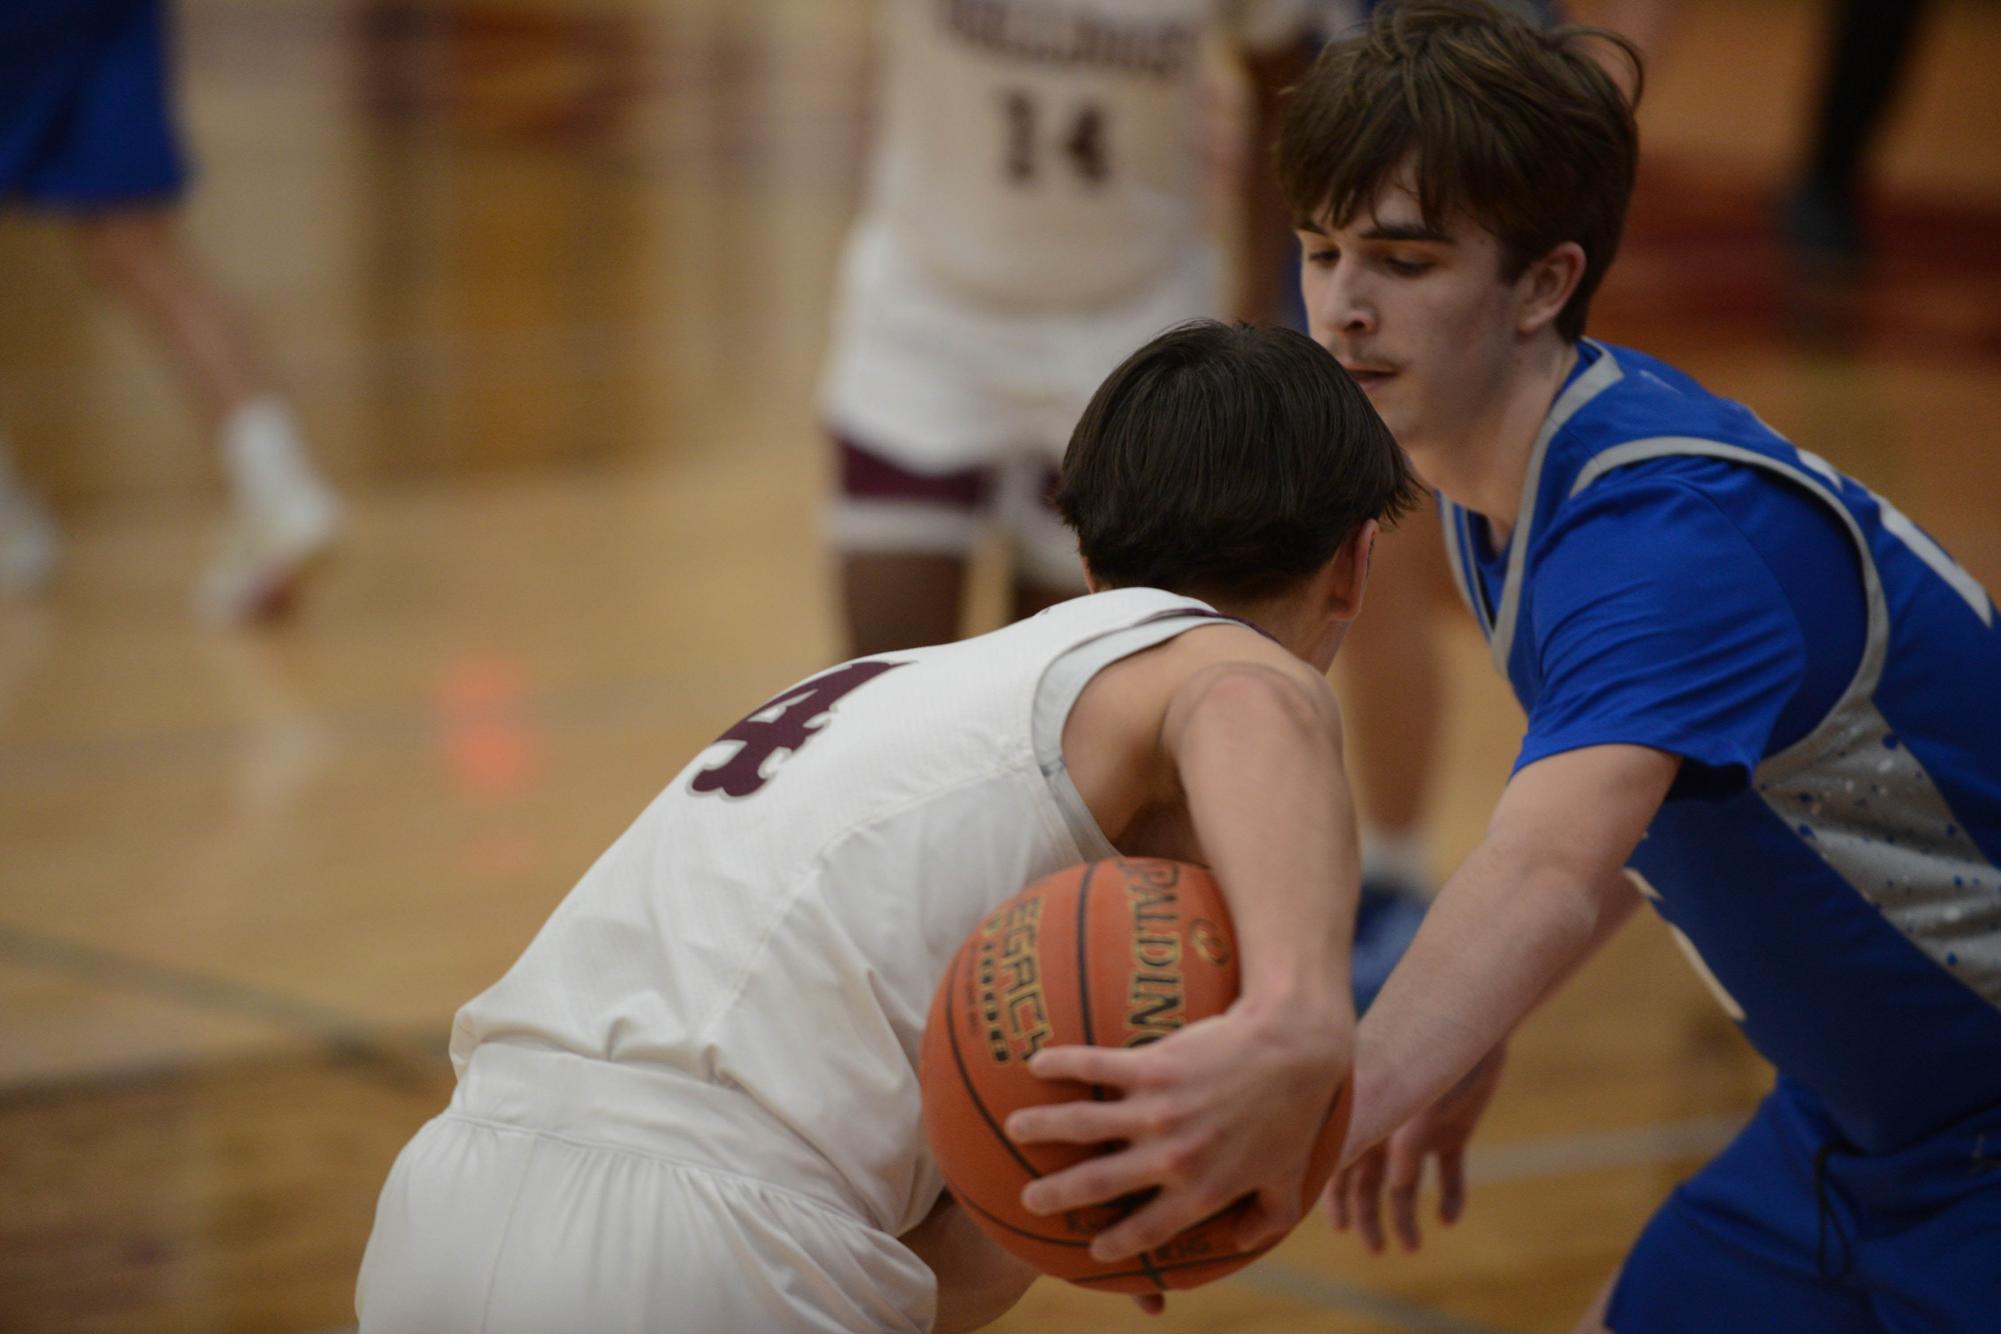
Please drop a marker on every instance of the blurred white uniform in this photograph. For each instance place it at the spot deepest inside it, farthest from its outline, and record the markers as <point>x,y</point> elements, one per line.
<point>692,1104</point>
<point>1036,209</point>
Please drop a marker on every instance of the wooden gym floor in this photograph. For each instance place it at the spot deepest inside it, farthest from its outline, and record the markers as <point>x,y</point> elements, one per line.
<point>548,282</point>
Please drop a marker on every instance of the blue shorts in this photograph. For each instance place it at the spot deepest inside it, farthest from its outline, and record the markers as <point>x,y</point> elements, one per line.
<point>1790,1228</point>
<point>85,119</point>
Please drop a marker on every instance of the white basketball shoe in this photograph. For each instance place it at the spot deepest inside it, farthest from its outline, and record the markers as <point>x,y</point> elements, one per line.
<point>27,536</point>
<point>284,519</point>
<point>27,545</point>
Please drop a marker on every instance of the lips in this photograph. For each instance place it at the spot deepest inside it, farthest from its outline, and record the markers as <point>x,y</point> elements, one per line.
<point>1370,378</point>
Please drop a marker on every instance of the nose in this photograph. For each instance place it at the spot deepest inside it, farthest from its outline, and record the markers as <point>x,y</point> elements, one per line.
<point>1338,301</point>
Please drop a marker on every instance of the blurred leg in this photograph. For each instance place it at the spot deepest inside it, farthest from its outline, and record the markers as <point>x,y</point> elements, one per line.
<point>1392,693</point>
<point>898,600</point>
<point>1391,679</point>
<point>905,539</point>
<point>137,256</point>
<point>1047,570</point>
<point>27,535</point>
<point>284,516</point>
<point>1868,53</point>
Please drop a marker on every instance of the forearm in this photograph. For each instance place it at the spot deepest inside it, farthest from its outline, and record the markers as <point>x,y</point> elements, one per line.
<point>1502,935</point>
<point>1542,891</point>
<point>1261,766</point>
<point>1618,899</point>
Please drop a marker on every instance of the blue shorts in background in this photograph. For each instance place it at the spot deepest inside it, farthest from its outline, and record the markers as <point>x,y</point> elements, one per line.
<point>85,104</point>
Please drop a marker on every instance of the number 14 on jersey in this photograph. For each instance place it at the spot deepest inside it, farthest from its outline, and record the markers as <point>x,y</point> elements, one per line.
<point>1039,138</point>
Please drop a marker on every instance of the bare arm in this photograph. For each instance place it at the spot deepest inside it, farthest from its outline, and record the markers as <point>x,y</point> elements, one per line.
<point>1540,893</point>
<point>1258,754</point>
<point>1394,1167</point>
<point>1255,746</point>
<point>978,1282</point>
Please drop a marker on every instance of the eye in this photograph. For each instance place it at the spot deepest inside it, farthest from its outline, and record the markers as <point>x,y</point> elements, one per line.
<point>1320,256</point>
<point>1408,268</point>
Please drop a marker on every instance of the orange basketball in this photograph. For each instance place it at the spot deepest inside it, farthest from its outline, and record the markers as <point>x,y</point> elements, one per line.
<point>1117,953</point>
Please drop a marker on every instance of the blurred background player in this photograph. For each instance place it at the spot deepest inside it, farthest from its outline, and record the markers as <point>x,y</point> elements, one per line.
<point>1040,201</point>
<point>1038,204</point>
<point>86,129</point>
<point>1867,55</point>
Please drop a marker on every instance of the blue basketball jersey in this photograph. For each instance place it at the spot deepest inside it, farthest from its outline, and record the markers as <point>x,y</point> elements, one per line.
<point>1682,577</point>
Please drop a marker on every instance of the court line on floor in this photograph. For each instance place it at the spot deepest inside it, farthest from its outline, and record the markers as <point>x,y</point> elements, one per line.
<point>347,1035</point>
<point>404,724</point>
<point>342,1034</point>
<point>1524,1160</point>
<point>1276,1279</point>
<point>1632,1146</point>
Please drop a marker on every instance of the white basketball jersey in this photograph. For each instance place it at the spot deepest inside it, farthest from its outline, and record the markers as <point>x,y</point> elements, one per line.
<point>778,919</point>
<point>1039,153</point>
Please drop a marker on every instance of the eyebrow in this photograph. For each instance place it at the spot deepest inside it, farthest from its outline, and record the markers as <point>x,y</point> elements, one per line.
<point>1405,231</point>
<point>1384,231</point>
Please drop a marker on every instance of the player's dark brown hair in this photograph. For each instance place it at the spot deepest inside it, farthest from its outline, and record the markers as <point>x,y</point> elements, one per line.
<point>1513,125</point>
<point>1227,461</point>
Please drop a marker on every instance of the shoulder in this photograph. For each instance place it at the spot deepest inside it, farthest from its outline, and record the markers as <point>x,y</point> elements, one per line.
<point>1219,643</point>
<point>1119,738</point>
<point>1637,502</point>
<point>1638,398</point>
<point>1643,533</point>
<point>1685,486</point>
<point>1134,694</point>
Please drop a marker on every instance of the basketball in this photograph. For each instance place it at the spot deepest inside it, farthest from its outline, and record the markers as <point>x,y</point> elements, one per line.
<point>1116,953</point>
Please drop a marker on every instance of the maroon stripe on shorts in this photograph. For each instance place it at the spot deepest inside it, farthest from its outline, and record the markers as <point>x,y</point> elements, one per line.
<point>866,475</point>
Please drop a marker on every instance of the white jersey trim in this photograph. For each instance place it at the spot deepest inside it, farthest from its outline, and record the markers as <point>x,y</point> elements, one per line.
<point>1596,379</point>
<point>1900,852</point>
<point>1056,694</point>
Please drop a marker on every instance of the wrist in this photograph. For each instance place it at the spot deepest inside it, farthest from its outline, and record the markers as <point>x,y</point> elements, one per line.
<point>1320,1006</point>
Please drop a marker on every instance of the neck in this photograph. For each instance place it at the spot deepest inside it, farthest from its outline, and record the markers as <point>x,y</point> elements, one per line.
<point>1290,619</point>
<point>1484,469</point>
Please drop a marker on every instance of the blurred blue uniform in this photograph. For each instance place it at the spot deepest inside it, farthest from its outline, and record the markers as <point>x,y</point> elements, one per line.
<point>1682,578</point>
<point>85,116</point>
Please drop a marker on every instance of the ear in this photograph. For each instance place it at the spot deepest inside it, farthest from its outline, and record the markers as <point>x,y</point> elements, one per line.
<point>1348,572</point>
<point>1092,583</point>
<point>1546,285</point>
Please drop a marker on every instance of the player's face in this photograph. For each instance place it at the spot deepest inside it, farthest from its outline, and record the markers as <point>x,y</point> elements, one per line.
<point>1418,315</point>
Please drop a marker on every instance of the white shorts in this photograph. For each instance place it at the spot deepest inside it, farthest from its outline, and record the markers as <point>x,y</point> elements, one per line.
<point>488,1225</point>
<point>881,507</point>
<point>939,383</point>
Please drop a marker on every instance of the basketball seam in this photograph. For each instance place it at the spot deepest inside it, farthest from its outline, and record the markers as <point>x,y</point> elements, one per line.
<point>965,1076</point>
<point>1154,1271</point>
<point>1084,1004</point>
<point>1000,1222</point>
<point>1083,933</point>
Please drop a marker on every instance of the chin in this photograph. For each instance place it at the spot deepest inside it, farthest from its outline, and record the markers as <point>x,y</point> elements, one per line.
<point>1398,422</point>
<point>1415,442</point>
